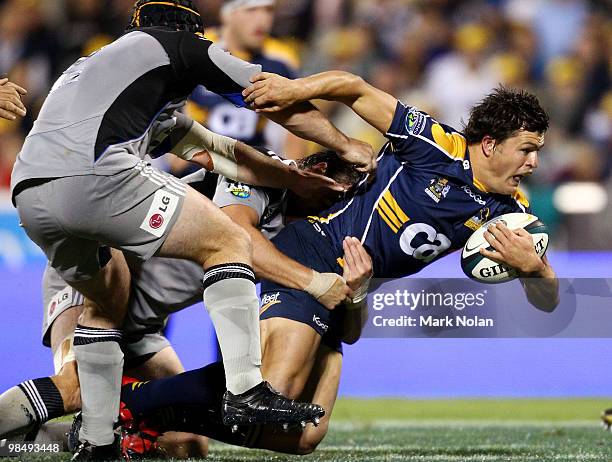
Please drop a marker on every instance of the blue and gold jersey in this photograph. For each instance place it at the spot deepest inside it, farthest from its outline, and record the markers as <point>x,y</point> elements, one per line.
<point>424,202</point>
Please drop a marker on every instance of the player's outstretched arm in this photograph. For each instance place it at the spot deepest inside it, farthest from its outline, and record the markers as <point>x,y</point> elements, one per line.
<point>515,248</point>
<point>307,122</point>
<point>270,263</point>
<point>271,92</point>
<point>357,272</point>
<point>241,162</point>
<point>11,105</point>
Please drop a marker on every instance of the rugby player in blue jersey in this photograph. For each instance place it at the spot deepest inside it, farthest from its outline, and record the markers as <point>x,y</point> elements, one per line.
<point>433,183</point>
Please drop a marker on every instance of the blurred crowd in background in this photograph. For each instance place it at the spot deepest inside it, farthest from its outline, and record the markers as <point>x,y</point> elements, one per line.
<point>439,55</point>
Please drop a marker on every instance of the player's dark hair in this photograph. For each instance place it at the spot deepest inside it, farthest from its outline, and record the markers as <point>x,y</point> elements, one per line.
<point>337,169</point>
<point>502,113</point>
<point>169,14</point>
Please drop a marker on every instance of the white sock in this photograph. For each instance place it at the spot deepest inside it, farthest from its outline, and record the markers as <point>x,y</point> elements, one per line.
<point>231,301</point>
<point>17,415</point>
<point>100,364</point>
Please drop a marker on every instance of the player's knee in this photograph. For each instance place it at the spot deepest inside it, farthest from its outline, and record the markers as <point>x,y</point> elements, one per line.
<point>233,245</point>
<point>240,239</point>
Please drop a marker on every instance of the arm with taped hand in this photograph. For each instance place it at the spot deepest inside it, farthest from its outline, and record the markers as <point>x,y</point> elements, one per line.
<point>357,272</point>
<point>241,162</point>
<point>270,263</point>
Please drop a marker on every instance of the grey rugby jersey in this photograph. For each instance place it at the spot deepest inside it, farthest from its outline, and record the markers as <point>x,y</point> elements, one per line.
<point>269,203</point>
<point>111,108</point>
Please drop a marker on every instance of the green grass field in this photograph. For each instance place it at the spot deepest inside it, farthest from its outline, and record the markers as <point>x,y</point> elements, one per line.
<point>449,430</point>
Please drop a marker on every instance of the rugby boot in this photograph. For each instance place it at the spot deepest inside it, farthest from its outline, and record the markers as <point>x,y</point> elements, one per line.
<point>262,404</point>
<point>88,451</point>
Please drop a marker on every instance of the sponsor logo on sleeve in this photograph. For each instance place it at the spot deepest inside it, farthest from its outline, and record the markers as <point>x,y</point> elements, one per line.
<point>161,211</point>
<point>415,122</point>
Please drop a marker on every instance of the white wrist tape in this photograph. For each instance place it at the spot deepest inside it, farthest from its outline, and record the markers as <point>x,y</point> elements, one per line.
<point>220,148</point>
<point>321,283</point>
<point>361,293</point>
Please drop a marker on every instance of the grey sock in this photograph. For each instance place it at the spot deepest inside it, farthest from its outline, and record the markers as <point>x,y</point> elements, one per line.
<point>100,364</point>
<point>231,301</point>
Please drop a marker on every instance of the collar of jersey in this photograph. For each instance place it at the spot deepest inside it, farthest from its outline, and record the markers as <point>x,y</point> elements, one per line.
<point>475,181</point>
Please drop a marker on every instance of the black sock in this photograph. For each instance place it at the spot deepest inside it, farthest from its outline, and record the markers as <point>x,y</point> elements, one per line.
<point>44,397</point>
<point>203,387</point>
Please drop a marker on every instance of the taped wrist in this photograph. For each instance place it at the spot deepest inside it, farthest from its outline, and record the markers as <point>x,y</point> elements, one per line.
<point>361,293</point>
<point>321,283</point>
<point>220,148</point>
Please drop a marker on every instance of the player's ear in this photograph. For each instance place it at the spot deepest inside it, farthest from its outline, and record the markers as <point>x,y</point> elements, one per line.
<point>488,145</point>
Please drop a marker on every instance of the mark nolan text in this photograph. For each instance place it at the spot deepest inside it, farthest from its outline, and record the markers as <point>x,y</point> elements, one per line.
<point>456,321</point>
<point>431,321</point>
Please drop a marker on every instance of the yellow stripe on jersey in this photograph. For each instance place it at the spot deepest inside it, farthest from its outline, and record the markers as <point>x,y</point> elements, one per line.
<point>388,197</point>
<point>383,208</point>
<point>384,217</point>
<point>521,198</point>
<point>391,212</point>
<point>327,218</point>
<point>453,143</point>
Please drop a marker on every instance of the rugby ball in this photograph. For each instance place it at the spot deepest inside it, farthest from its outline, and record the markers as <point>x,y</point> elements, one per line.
<point>483,269</point>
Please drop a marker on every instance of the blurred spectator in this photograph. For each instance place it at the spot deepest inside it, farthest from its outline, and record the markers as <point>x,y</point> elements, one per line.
<point>557,23</point>
<point>457,80</point>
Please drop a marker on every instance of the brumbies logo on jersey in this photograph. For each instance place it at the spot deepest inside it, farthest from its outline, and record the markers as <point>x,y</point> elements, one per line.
<point>240,190</point>
<point>477,220</point>
<point>438,188</point>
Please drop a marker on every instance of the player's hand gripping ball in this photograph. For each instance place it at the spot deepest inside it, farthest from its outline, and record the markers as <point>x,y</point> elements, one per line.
<point>483,269</point>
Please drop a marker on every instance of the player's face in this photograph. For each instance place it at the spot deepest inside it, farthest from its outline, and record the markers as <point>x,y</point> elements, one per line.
<point>251,26</point>
<point>514,159</point>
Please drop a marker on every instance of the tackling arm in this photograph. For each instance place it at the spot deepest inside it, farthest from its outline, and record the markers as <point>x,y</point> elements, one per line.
<point>271,93</point>
<point>238,161</point>
<point>270,263</point>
